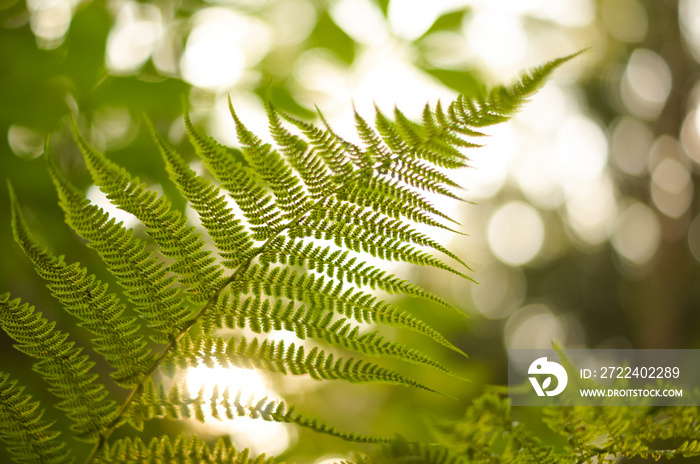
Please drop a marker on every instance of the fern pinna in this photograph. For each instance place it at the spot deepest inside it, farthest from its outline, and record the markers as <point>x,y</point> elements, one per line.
<point>286,259</point>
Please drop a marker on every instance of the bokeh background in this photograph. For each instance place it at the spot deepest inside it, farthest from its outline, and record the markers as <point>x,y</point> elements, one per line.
<point>585,227</point>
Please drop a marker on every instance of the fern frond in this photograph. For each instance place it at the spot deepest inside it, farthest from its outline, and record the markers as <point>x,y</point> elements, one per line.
<point>502,101</point>
<point>629,431</point>
<point>167,226</point>
<point>305,161</point>
<point>30,439</point>
<point>242,184</point>
<point>289,193</point>
<point>375,225</point>
<point>310,182</point>
<point>232,240</point>
<point>328,295</point>
<point>276,356</point>
<point>430,142</point>
<point>385,158</point>
<point>157,402</point>
<point>407,167</point>
<point>393,199</point>
<point>361,239</point>
<point>339,265</point>
<point>145,279</point>
<point>486,427</point>
<point>85,297</point>
<point>261,317</point>
<point>182,450</point>
<point>361,186</point>
<point>61,364</point>
<point>335,152</point>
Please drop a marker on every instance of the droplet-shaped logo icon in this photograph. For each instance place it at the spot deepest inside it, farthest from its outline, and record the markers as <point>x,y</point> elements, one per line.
<point>550,368</point>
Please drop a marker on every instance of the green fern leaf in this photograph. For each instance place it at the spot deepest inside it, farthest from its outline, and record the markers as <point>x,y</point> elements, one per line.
<point>310,183</point>
<point>269,166</point>
<point>339,265</point>
<point>278,357</point>
<point>261,316</point>
<point>156,403</point>
<point>328,295</point>
<point>61,364</point>
<point>182,450</point>
<point>145,279</point>
<point>228,234</point>
<point>335,152</point>
<point>242,184</point>
<point>30,439</point>
<point>375,224</point>
<point>306,162</point>
<point>87,299</point>
<point>168,227</point>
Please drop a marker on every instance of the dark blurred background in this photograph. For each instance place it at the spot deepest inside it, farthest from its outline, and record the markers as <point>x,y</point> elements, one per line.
<point>586,228</point>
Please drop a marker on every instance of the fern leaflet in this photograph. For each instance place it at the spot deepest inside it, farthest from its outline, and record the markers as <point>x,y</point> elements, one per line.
<point>30,438</point>
<point>87,298</point>
<point>62,365</point>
